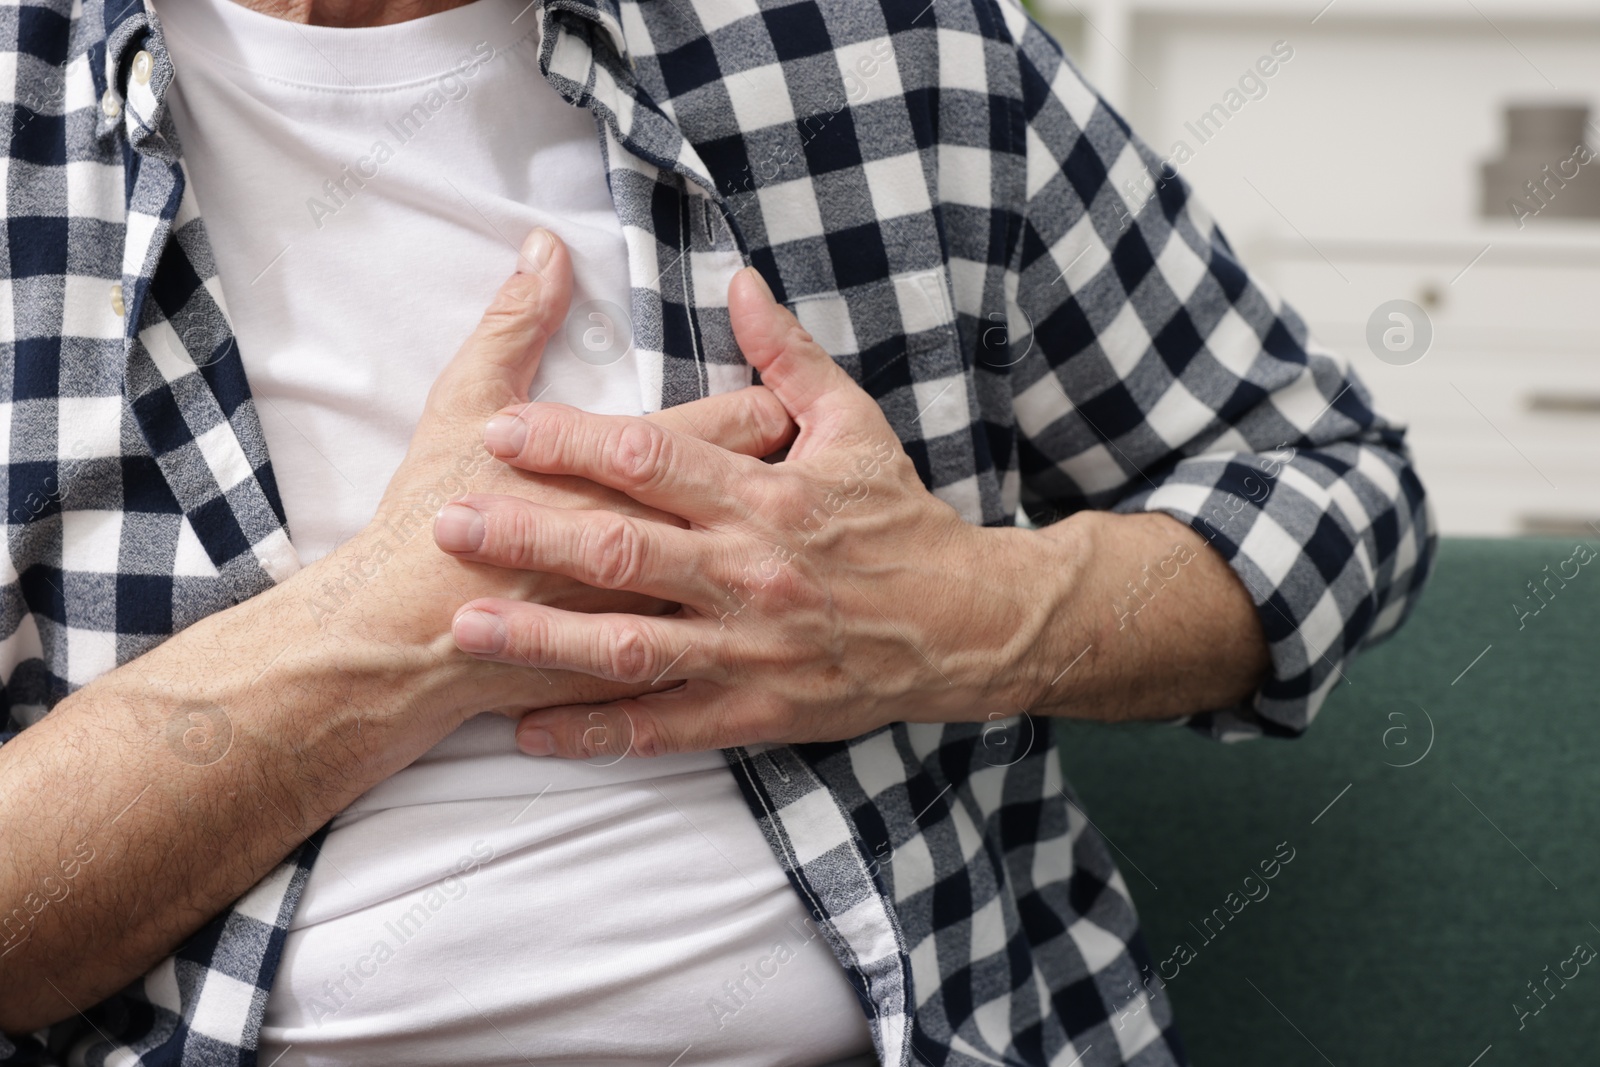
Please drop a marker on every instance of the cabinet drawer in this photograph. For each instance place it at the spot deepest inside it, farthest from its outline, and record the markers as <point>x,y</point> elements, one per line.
<point>1504,408</point>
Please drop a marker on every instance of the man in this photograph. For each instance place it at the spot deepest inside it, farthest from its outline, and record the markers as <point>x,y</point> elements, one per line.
<point>855,631</point>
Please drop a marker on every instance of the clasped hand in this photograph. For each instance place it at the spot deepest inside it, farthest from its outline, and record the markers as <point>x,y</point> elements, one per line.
<point>819,597</point>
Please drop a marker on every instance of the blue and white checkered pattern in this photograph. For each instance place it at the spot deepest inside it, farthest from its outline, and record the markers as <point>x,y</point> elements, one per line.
<point>955,215</point>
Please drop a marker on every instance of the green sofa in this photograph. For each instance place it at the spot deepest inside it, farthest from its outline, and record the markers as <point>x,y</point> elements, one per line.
<point>1436,895</point>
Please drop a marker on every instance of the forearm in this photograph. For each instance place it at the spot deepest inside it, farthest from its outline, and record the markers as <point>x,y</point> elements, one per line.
<point>1149,622</point>
<point>168,787</point>
<point>128,823</point>
<point>152,798</point>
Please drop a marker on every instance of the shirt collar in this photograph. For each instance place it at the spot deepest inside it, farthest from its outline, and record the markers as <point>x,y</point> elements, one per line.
<point>132,95</point>
<point>125,19</point>
<point>131,26</point>
<point>607,14</point>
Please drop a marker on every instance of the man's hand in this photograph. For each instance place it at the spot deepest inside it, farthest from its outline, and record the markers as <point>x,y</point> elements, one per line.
<point>173,784</point>
<point>831,593</point>
<point>820,597</point>
<point>446,458</point>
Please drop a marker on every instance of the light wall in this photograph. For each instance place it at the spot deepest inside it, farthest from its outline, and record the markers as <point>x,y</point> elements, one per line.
<point>1353,181</point>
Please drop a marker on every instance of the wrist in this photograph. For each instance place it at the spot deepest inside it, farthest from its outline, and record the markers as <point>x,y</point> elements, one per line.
<point>349,654</point>
<point>1030,632</point>
<point>260,686</point>
<point>378,609</point>
<point>1064,626</point>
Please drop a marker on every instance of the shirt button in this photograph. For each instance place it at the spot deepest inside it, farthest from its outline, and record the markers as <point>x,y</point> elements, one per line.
<point>110,104</point>
<point>116,299</point>
<point>142,64</point>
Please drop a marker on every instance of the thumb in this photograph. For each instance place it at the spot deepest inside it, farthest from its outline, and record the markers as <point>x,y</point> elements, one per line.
<point>504,349</point>
<point>797,370</point>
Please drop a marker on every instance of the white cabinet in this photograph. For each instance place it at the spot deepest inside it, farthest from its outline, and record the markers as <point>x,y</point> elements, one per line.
<point>1504,408</point>
<point>1352,180</point>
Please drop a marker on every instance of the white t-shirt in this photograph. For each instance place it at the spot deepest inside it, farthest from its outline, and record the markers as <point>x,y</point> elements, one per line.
<point>365,191</point>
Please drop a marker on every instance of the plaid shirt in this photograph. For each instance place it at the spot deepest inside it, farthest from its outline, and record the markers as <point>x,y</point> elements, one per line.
<point>1047,320</point>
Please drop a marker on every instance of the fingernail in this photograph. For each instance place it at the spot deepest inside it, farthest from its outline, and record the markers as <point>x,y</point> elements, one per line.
<point>505,435</point>
<point>458,528</point>
<point>479,632</point>
<point>536,249</point>
<point>762,282</point>
<point>536,741</point>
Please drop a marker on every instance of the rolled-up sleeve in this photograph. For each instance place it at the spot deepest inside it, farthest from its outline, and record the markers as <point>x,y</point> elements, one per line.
<point>1161,376</point>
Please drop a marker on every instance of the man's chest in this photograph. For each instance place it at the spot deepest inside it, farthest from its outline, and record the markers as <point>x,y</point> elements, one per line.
<point>122,315</point>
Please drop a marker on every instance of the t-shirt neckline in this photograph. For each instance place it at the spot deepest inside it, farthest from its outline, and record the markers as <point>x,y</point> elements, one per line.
<point>258,46</point>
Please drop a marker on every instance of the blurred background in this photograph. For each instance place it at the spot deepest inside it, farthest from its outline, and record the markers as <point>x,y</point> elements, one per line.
<point>1416,178</point>
<point>1399,154</point>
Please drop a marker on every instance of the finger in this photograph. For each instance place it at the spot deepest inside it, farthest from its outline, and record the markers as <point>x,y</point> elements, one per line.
<point>750,421</point>
<point>686,719</point>
<point>598,548</point>
<point>638,649</point>
<point>669,471</point>
<point>803,376</point>
<point>503,351</point>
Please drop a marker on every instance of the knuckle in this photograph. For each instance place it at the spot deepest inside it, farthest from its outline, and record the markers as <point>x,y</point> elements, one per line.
<point>508,312</point>
<point>776,720</point>
<point>616,554</point>
<point>796,335</point>
<point>792,498</point>
<point>595,736</point>
<point>626,654</point>
<point>649,740</point>
<point>482,394</point>
<point>761,574</point>
<point>639,452</point>
<point>784,585</point>
<point>771,421</point>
